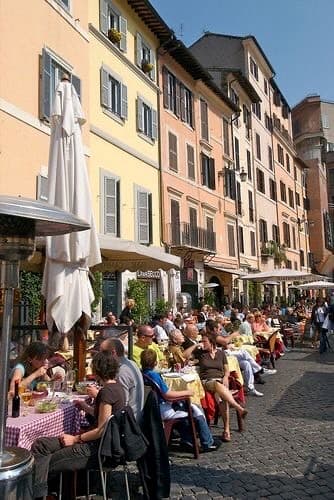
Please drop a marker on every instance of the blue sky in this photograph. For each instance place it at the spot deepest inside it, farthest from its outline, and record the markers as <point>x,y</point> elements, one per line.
<point>296,35</point>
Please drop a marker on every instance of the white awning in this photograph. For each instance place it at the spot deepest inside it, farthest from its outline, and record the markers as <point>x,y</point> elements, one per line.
<point>280,275</point>
<point>229,270</point>
<point>121,255</point>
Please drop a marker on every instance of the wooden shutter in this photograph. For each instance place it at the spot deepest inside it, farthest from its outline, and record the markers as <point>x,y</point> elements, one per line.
<point>140,124</point>
<point>143,217</point>
<point>172,147</point>
<point>191,162</point>
<point>123,25</point>
<point>231,242</point>
<point>154,124</point>
<point>104,16</point>
<point>124,98</point>
<point>232,185</point>
<point>165,86</point>
<point>204,121</point>
<point>150,218</point>
<point>139,49</point>
<point>110,206</point>
<point>252,242</point>
<point>178,99</point>
<point>104,88</point>
<point>203,168</point>
<point>212,174</point>
<point>241,240</point>
<point>76,82</point>
<point>182,103</point>
<point>45,100</point>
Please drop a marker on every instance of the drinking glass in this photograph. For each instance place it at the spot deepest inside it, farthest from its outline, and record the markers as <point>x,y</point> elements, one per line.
<point>26,397</point>
<point>70,379</point>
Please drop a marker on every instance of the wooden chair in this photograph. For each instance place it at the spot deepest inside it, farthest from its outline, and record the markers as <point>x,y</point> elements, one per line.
<point>267,348</point>
<point>171,422</point>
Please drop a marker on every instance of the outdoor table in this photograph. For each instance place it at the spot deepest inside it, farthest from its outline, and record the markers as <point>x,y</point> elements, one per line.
<point>242,342</point>
<point>267,334</point>
<point>234,366</point>
<point>24,430</point>
<point>185,381</point>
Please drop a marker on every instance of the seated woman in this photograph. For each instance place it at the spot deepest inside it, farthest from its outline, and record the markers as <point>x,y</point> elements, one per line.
<point>148,363</point>
<point>259,326</point>
<point>33,367</point>
<point>214,373</point>
<point>71,453</point>
<point>177,354</point>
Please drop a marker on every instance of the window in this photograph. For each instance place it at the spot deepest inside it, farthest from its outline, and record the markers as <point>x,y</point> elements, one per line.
<point>175,222</point>
<point>251,206</point>
<point>294,243</point>
<point>252,243</point>
<point>298,199</point>
<point>258,146</point>
<point>110,18</point>
<point>235,99</point>
<point>256,107</point>
<point>231,242</point>
<point>229,185</point>
<point>302,258</point>
<point>265,86</point>
<point>277,99</point>
<point>226,136</point>
<point>283,191</point>
<point>272,189</point>
<point>52,71</point>
<point>114,95</point>
<point>291,198</point>
<point>270,158</point>
<point>280,154</point>
<point>241,240</point>
<point>204,121</point>
<point>268,122</point>
<point>111,205</point>
<point>42,188</point>
<point>239,204</point>
<point>253,68</point>
<point>236,154</point>
<point>275,233</point>
<point>286,234</point>
<point>144,216</point>
<point>285,111</point>
<point>295,173</point>
<point>249,164</point>
<point>324,121</point>
<point>260,181</point>
<point>172,144</point>
<point>263,231</point>
<point>64,3</point>
<point>247,121</point>
<point>178,98</point>
<point>146,119</point>
<point>287,161</point>
<point>145,55</point>
<point>208,171</point>
<point>288,264</point>
<point>191,162</point>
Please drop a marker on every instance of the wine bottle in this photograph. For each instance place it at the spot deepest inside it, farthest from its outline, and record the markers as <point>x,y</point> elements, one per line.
<point>16,401</point>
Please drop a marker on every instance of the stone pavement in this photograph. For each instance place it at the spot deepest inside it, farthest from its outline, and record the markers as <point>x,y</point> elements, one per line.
<point>287,450</point>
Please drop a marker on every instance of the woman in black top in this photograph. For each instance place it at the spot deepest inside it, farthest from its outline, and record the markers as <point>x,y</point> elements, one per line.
<point>214,373</point>
<point>70,453</point>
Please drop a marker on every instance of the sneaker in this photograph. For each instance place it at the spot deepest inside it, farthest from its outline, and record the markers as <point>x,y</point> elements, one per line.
<point>266,371</point>
<point>254,392</point>
<point>213,447</point>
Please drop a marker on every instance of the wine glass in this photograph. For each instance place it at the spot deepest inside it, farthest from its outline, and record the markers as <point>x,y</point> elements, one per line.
<point>26,397</point>
<point>70,379</point>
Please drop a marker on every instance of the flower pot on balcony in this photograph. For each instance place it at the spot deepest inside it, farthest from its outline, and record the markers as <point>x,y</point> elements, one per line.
<point>146,66</point>
<point>114,35</point>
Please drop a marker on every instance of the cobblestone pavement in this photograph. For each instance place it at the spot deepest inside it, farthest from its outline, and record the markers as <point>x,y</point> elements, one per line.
<point>287,449</point>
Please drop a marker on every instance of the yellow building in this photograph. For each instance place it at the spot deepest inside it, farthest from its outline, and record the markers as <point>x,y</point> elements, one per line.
<point>124,141</point>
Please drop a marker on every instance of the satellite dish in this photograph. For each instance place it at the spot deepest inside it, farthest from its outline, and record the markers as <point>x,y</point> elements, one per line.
<point>210,285</point>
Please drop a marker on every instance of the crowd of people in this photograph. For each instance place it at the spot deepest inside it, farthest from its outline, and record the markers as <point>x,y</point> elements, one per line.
<point>203,340</point>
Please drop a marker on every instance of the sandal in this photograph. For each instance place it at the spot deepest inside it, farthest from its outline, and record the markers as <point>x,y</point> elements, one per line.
<point>226,437</point>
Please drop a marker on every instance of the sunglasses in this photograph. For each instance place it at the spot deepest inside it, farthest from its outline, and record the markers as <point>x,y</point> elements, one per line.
<point>149,336</point>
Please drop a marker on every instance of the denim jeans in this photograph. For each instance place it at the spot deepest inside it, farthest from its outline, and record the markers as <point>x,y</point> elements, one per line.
<point>202,428</point>
<point>50,457</point>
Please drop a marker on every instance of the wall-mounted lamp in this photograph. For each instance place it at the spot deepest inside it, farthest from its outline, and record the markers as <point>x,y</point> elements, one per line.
<point>243,175</point>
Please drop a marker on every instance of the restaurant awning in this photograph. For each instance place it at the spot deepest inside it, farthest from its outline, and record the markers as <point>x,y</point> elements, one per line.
<point>121,255</point>
<point>229,270</point>
<point>280,275</point>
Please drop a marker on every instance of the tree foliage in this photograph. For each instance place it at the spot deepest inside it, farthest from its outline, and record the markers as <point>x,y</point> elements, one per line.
<point>137,290</point>
<point>31,293</point>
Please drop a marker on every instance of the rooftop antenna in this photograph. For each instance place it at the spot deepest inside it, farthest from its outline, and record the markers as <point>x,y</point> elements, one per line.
<point>181,30</point>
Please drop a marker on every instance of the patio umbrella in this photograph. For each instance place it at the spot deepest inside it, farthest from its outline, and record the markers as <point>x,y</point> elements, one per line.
<point>280,275</point>
<point>316,285</point>
<point>66,286</point>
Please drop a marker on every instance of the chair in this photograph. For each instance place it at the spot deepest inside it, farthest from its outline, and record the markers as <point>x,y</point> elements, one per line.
<point>171,422</point>
<point>267,348</point>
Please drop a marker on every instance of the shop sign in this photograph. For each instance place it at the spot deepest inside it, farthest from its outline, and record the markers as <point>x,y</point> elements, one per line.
<point>148,275</point>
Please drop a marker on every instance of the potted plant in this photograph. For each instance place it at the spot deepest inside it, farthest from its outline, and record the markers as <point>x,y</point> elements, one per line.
<point>114,35</point>
<point>146,66</point>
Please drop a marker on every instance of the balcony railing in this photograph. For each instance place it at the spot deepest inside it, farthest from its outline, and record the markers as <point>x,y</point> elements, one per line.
<point>183,234</point>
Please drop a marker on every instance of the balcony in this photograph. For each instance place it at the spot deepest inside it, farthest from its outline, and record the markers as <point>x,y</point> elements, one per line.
<point>182,234</point>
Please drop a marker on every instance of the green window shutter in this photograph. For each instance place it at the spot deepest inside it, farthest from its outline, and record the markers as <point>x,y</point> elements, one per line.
<point>110,206</point>
<point>124,96</point>
<point>143,217</point>
<point>104,88</point>
<point>139,49</point>
<point>45,99</point>
<point>76,82</point>
<point>123,25</point>
<point>104,16</point>
<point>154,124</point>
<point>140,126</point>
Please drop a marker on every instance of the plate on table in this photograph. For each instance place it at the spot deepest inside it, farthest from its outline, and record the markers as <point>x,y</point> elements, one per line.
<point>46,406</point>
<point>172,375</point>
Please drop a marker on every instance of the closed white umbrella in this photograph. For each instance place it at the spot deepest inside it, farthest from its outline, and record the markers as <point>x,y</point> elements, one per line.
<point>66,286</point>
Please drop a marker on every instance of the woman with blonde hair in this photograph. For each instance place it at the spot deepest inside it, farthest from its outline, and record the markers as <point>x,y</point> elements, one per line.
<point>126,316</point>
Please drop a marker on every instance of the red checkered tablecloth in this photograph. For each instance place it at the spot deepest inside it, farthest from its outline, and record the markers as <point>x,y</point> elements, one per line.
<point>23,431</point>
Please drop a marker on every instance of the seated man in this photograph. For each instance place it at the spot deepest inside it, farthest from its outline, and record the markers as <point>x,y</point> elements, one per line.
<point>159,328</point>
<point>178,353</point>
<point>149,362</point>
<point>145,336</point>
